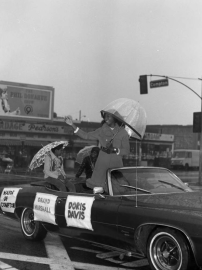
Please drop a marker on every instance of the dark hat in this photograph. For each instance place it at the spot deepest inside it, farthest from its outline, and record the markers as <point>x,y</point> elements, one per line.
<point>117,117</point>
<point>95,149</point>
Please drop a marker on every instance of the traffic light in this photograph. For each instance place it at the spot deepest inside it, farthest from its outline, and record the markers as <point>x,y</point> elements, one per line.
<point>197,122</point>
<point>143,84</point>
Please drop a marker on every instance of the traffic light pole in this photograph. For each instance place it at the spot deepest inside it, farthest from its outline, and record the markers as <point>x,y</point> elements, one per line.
<point>200,154</point>
<point>144,90</point>
<point>178,82</point>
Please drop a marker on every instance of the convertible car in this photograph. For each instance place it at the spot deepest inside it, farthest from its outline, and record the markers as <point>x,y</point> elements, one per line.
<point>141,212</point>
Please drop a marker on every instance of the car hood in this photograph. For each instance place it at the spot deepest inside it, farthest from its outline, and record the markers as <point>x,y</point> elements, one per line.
<point>187,201</point>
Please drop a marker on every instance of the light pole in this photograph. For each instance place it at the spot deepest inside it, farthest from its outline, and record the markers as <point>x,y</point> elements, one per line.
<point>200,153</point>
<point>81,116</point>
<point>144,90</point>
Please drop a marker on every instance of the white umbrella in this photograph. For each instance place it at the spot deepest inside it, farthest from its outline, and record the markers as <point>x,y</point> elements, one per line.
<point>85,152</point>
<point>130,113</point>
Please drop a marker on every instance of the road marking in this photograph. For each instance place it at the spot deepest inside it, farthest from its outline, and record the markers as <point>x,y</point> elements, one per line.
<point>56,262</point>
<point>56,251</point>
<point>59,259</point>
<point>6,266</point>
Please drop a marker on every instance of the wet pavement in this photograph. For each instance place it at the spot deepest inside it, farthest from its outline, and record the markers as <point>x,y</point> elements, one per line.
<point>57,253</point>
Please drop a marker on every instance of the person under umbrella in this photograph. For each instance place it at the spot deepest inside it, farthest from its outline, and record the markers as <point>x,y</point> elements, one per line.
<point>53,170</point>
<point>114,142</point>
<point>88,163</point>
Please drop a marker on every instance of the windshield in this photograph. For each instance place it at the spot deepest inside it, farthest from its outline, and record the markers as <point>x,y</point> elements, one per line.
<point>180,154</point>
<point>146,181</point>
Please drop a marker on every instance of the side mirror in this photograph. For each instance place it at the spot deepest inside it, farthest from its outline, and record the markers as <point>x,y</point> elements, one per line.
<point>98,190</point>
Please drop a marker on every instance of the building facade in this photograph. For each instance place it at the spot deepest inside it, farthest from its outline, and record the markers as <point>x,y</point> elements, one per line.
<point>184,138</point>
<point>21,140</point>
<point>22,135</point>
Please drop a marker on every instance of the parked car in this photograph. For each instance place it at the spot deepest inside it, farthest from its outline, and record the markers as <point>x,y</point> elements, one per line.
<point>185,158</point>
<point>144,211</point>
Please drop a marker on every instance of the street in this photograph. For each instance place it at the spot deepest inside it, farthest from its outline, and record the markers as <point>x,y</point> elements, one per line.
<point>56,252</point>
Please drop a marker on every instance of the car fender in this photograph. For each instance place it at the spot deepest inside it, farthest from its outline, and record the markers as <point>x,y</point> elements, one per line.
<point>143,231</point>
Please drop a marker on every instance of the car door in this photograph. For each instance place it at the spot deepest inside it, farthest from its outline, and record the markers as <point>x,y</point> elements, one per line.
<point>105,218</point>
<point>102,225</point>
<point>130,217</point>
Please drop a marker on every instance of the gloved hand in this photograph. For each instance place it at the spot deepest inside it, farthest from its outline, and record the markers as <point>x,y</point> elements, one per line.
<point>68,119</point>
<point>114,150</point>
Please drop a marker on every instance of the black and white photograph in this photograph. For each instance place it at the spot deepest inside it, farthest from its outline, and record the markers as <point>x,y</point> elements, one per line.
<point>100,135</point>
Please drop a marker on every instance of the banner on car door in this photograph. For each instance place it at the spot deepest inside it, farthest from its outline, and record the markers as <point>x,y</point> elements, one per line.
<point>78,211</point>
<point>8,199</point>
<point>44,207</point>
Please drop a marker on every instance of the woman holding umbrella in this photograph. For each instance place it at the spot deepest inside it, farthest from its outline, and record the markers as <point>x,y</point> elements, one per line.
<point>114,142</point>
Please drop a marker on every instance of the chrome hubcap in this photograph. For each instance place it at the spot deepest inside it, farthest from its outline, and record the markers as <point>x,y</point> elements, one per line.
<point>165,253</point>
<point>28,222</point>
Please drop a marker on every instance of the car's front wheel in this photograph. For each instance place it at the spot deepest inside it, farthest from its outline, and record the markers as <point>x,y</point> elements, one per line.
<point>31,229</point>
<point>168,250</point>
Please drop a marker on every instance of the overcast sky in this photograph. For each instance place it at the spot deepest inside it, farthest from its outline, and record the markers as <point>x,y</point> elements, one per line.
<point>93,52</point>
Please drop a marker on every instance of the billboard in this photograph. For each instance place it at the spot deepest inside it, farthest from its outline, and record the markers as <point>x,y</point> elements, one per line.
<point>21,100</point>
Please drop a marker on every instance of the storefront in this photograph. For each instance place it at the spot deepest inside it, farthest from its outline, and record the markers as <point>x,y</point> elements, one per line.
<point>154,150</point>
<point>21,140</point>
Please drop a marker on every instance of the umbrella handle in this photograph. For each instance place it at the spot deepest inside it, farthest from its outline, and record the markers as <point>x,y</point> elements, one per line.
<point>110,142</point>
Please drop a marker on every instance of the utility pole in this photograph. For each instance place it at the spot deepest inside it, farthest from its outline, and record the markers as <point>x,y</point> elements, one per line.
<point>160,83</point>
<point>200,153</point>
